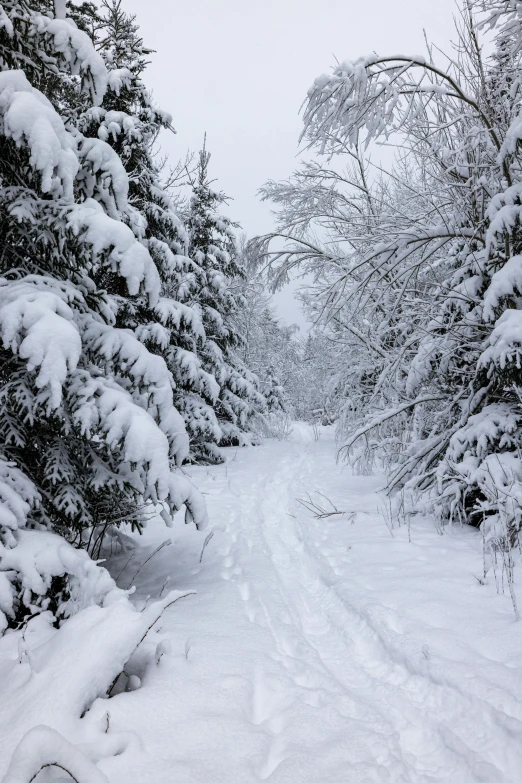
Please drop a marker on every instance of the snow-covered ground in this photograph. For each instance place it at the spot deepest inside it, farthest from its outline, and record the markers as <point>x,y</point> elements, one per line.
<point>314,649</point>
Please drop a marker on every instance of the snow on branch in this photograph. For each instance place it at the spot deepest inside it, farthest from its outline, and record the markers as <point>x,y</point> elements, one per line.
<point>128,256</point>
<point>506,282</point>
<point>506,16</point>
<point>505,343</point>
<point>44,747</point>
<point>38,325</point>
<point>104,409</point>
<point>175,314</point>
<point>37,558</point>
<point>77,50</point>
<point>376,421</point>
<point>108,181</point>
<point>28,118</point>
<point>183,493</point>
<point>128,356</point>
<point>379,95</point>
<point>18,495</point>
<point>5,23</point>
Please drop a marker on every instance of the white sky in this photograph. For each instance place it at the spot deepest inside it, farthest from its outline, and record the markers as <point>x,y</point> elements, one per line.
<point>240,69</point>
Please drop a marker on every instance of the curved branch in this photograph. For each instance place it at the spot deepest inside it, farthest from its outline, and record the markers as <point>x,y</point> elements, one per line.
<point>388,415</point>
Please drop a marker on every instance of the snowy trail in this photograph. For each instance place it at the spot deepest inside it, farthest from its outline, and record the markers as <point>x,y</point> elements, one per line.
<point>322,649</point>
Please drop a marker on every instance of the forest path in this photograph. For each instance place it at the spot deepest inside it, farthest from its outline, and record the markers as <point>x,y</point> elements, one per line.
<point>321,649</point>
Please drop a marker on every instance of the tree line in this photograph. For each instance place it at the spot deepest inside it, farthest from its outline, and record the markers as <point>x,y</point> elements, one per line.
<point>414,269</point>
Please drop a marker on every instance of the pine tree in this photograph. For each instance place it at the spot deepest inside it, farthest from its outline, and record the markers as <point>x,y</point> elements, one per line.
<point>130,122</point>
<point>212,245</point>
<point>89,431</point>
<point>274,393</point>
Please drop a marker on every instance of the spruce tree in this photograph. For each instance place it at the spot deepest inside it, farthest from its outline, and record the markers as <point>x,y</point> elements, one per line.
<point>130,123</point>
<point>274,393</point>
<point>212,245</point>
<point>88,427</point>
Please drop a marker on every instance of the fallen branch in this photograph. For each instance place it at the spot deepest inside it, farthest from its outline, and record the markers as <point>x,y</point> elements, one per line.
<point>320,512</point>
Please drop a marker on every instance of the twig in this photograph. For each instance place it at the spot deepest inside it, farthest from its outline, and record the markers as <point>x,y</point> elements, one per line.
<point>165,583</point>
<point>206,541</point>
<point>125,566</point>
<point>318,511</point>
<point>167,542</point>
<point>178,598</point>
<point>59,767</point>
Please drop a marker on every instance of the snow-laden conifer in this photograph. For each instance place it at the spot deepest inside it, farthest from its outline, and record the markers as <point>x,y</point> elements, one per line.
<point>130,123</point>
<point>212,245</point>
<point>88,425</point>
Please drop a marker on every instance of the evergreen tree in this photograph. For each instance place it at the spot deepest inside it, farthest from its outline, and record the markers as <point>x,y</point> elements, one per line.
<point>130,122</point>
<point>89,431</point>
<point>212,245</point>
<point>272,350</point>
<point>274,393</point>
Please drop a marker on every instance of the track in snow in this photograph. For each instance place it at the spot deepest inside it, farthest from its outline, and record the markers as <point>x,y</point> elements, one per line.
<point>305,661</point>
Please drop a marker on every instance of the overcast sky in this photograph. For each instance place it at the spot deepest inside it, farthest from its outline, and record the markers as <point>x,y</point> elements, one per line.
<point>240,69</point>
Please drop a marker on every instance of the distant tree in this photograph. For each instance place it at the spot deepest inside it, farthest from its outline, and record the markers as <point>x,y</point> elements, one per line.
<point>274,393</point>
<point>212,245</point>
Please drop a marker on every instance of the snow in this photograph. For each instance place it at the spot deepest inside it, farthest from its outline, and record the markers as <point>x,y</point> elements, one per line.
<point>119,78</point>
<point>5,23</point>
<point>77,50</point>
<point>60,9</point>
<point>51,677</point>
<point>496,423</point>
<point>38,325</point>
<point>128,256</point>
<point>513,136</point>
<point>506,282</point>
<point>324,649</point>
<point>29,117</point>
<point>120,349</point>
<point>17,495</point>
<point>110,410</point>
<point>42,747</point>
<point>314,649</point>
<point>505,342</point>
<point>39,556</point>
<point>190,366</point>
<point>174,313</point>
<point>99,157</point>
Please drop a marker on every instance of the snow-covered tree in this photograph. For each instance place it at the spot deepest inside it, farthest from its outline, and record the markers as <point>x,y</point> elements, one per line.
<point>274,393</point>
<point>268,347</point>
<point>129,121</point>
<point>89,430</point>
<point>213,247</point>
<point>416,270</point>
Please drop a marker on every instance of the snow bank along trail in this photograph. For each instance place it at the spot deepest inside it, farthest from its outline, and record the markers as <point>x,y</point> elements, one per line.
<point>321,649</point>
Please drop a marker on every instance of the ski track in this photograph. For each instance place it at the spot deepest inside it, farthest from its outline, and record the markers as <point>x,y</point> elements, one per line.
<point>309,676</point>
